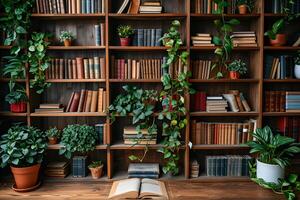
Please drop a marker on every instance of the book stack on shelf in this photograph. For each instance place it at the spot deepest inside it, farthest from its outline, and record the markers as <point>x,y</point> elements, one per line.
<point>79,166</point>
<point>53,108</point>
<point>101,132</point>
<point>143,170</point>
<point>277,6</point>
<point>201,69</point>
<point>78,68</point>
<point>57,169</point>
<point>70,6</point>
<point>87,101</point>
<point>244,39</point>
<point>230,165</point>
<point>275,101</point>
<point>151,7</point>
<point>147,37</point>
<point>195,169</point>
<point>199,102</point>
<point>222,133</point>
<point>292,101</point>
<point>281,67</point>
<point>132,136</point>
<point>290,127</point>
<point>202,40</point>
<point>216,104</point>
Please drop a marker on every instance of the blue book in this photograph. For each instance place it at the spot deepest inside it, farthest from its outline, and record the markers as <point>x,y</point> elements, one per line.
<point>97,35</point>
<point>153,176</point>
<point>88,6</point>
<point>158,35</point>
<point>135,38</point>
<point>140,37</point>
<point>92,6</point>
<point>152,44</point>
<point>83,7</point>
<point>148,38</point>
<point>145,37</point>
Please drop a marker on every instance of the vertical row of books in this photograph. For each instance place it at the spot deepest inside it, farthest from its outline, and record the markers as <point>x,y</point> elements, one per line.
<point>277,6</point>
<point>281,67</point>
<point>147,37</point>
<point>210,7</point>
<point>289,126</point>
<point>282,101</point>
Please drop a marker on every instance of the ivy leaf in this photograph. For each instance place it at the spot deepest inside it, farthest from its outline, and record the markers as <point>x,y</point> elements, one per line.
<point>21,30</point>
<point>31,48</point>
<point>133,157</point>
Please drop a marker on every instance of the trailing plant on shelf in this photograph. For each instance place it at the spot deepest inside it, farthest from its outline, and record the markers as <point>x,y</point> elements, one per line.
<point>172,99</point>
<point>245,5</point>
<point>125,32</point>
<point>237,68</point>
<point>66,37</point>
<point>53,135</point>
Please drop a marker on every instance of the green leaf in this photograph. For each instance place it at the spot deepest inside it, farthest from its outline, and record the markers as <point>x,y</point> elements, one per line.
<point>21,30</point>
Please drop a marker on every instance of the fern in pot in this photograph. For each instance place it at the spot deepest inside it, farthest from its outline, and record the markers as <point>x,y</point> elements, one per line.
<point>236,69</point>
<point>274,152</point>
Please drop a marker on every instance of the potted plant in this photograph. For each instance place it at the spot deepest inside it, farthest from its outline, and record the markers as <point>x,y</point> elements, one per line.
<point>53,135</point>
<point>274,152</point>
<point>297,65</point>
<point>96,168</point>
<point>125,32</point>
<point>18,100</point>
<point>244,6</point>
<point>23,148</point>
<point>237,68</point>
<point>66,37</point>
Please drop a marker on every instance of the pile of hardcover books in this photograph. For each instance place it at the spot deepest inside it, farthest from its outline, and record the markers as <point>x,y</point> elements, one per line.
<point>132,136</point>
<point>244,39</point>
<point>194,169</point>
<point>216,104</point>
<point>202,39</point>
<point>151,7</point>
<point>143,170</point>
<point>53,108</point>
<point>57,169</point>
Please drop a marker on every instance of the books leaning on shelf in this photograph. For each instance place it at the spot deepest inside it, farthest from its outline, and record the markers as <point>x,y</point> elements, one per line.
<point>143,170</point>
<point>244,39</point>
<point>50,108</point>
<point>57,169</point>
<point>136,188</point>
<point>281,67</point>
<point>70,6</point>
<point>87,101</point>
<point>147,37</point>
<point>132,136</point>
<point>289,126</point>
<point>201,69</point>
<point>229,165</point>
<point>222,133</point>
<point>195,169</point>
<point>77,68</point>
<point>150,7</point>
<point>202,40</point>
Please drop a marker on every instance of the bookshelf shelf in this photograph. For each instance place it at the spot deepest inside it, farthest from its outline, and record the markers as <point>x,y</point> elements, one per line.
<point>285,48</point>
<point>270,15</point>
<point>138,48</point>
<point>147,16</point>
<point>227,16</point>
<point>76,48</point>
<point>68,114</point>
<point>66,16</point>
<point>135,80</point>
<point>224,114</point>
<point>218,147</point>
<point>7,80</point>
<point>282,81</point>
<point>224,80</point>
<point>234,49</point>
<point>59,146</point>
<point>76,80</point>
<point>281,114</point>
<point>11,114</point>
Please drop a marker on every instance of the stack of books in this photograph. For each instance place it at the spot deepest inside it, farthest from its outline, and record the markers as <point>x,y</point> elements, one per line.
<point>281,67</point>
<point>79,166</point>
<point>289,126</point>
<point>151,7</point>
<point>244,39</point>
<point>230,165</point>
<point>143,170</point>
<point>57,169</point>
<point>275,101</point>
<point>48,107</point>
<point>201,69</point>
<point>131,136</point>
<point>216,104</point>
<point>87,101</point>
<point>194,169</point>
<point>292,100</point>
<point>202,39</point>
<point>147,37</point>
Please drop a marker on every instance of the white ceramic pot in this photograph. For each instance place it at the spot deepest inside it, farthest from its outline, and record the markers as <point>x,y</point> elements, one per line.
<point>297,71</point>
<point>268,172</point>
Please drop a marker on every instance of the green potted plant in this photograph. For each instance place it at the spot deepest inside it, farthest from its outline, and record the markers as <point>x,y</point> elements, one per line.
<point>244,6</point>
<point>125,32</point>
<point>96,168</point>
<point>297,65</point>
<point>237,68</point>
<point>274,152</point>
<point>53,135</point>
<point>23,148</point>
<point>66,37</point>
<point>17,99</point>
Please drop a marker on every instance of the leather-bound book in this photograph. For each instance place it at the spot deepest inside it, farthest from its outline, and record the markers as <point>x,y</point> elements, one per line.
<point>73,6</point>
<point>100,100</point>
<point>88,101</point>
<point>70,102</point>
<point>102,68</point>
<point>97,67</point>
<point>74,68</point>
<point>91,68</point>
<point>134,8</point>
<point>104,102</point>
<point>56,75</point>
<point>61,68</point>
<point>80,71</point>
<point>75,102</point>
<point>94,101</point>
<point>78,6</point>
<point>66,72</point>
<point>86,68</point>
<point>102,34</point>
<point>81,100</point>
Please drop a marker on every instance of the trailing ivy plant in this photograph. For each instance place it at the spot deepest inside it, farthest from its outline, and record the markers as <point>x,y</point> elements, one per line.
<point>172,98</point>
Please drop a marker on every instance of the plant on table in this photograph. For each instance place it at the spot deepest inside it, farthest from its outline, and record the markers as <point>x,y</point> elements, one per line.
<point>96,168</point>
<point>237,68</point>
<point>125,33</point>
<point>66,37</point>
<point>53,135</point>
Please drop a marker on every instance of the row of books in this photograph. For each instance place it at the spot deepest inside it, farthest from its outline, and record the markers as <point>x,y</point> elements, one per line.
<point>277,6</point>
<point>78,68</point>
<point>201,69</point>
<point>281,67</point>
<point>59,169</point>
<point>87,101</point>
<point>222,133</point>
<point>290,127</point>
<point>147,37</point>
<point>143,170</point>
<point>79,166</point>
<point>275,101</point>
<point>132,136</point>
<point>210,7</point>
<point>229,165</point>
<point>70,6</point>
<point>202,39</point>
<point>244,39</point>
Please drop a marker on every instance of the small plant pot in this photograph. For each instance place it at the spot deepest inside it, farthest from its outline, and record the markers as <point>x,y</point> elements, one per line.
<point>243,9</point>
<point>125,41</point>
<point>20,107</point>
<point>234,75</point>
<point>67,43</point>
<point>269,173</point>
<point>297,71</point>
<point>96,172</point>
<point>280,40</point>
<point>52,140</point>
<point>26,177</point>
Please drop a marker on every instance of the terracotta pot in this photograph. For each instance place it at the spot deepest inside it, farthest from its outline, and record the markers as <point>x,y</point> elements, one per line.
<point>280,40</point>
<point>67,43</point>
<point>26,177</point>
<point>52,140</point>
<point>125,41</point>
<point>20,107</point>
<point>234,75</point>
<point>96,172</point>
<point>243,9</point>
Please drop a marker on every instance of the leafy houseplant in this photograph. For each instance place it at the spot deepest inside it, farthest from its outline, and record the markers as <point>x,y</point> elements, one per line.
<point>245,5</point>
<point>274,153</point>
<point>125,32</point>
<point>53,135</point>
<point>17,100</point>
<point>237,68</point>
<point>297,65</point>
<point>66,37</point>
<point>96,168</point>
<point>23,148</point>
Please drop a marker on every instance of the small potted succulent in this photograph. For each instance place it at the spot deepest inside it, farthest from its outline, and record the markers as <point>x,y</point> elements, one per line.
<point>66,37</point>
<point>53,135</point>
<point>297,65</point>
<point>125,32</point>
<point>96,168</point>
<point>17,100</point>
<point>237,68</point>
<point>245,5</point>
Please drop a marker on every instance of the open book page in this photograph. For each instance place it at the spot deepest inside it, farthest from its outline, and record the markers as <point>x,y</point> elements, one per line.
<point>123,189</point>
<point>153,188</point>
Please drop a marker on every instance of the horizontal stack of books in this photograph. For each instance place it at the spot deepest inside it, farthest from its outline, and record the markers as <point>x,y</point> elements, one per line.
<point>195,169</point>
<point>132,136</point>
<point>292,101</point>
<point>150,7</point>
<point>147,37</point>
<point>201,69</point>
<point>216,104</point>
<point>222,133</point>
<point>49,107</point>
<point>57,169</point>
<point>281,67</point>
<point>202,39</point>
<point>244,39</point>
<point>143,170</point>
<point>87,101</point>
<point>199,102</point>
<point>101,132</point>
<point>229,165</point>
<point>79,166</point>
<point>275,101</point>
<point>70,6</point>
<point>78,68</point>
<point>277,6</point>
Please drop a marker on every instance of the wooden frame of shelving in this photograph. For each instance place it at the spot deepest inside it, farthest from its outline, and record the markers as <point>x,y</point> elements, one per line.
<point>107,17</point>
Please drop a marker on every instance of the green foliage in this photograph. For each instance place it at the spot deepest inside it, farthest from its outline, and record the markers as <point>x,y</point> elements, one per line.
<point>22,146</point>
<point>53,132</point>
<point>273,149</point>
<point>221,5</point>
<point>78,139</point>
<point>248,3</point>
<point>65,35</point>
<point>125,31</point>
<point>95,164</point>
<point>297,58</point>
<point>238,66</point>
<point>16,96</point>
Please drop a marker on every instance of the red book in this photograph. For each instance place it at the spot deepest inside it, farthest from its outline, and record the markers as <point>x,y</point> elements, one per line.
<point>202,101</point>
<point>75,102</point>
<point>80,70</point>
<point>119,69</point>
<point>282,125</point>
<point>122,68</point>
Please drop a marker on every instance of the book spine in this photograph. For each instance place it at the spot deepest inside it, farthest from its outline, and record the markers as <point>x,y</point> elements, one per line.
<point>158,35</point>
<point>86,68</point>
<point>97,35</point>
<point>97,67</point>
<point>91,68</point>
<point>88,6</point>
<point>153,38</point>
<point>80,71</point>
<point>102,68</point>
<point>140,37</point>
